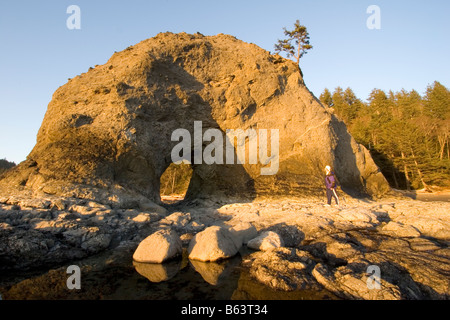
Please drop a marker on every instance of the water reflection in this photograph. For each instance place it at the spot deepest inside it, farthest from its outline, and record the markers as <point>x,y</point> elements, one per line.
<point>158,272</point>
<point>223,276</point>
<point>250,289</point>
<point>214,273</point>
<point>183,279</point>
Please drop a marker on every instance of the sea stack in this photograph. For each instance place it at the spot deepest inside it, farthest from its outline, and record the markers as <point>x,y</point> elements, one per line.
<point>107,133</point>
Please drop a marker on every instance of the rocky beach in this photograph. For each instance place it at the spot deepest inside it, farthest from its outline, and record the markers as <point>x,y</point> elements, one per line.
<point>291,245</point>
<point>89,193</point>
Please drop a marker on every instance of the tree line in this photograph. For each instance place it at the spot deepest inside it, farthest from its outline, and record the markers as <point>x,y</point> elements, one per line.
<point>406,133</point>
<point>5,165</point>
<point>175,180</point>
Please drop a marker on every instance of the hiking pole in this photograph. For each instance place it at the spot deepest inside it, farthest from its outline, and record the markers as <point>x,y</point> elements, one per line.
<point>336,196</point>
<point>343,194</point>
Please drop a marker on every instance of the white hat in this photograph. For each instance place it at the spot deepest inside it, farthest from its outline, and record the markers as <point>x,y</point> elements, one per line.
<point>328,168</point>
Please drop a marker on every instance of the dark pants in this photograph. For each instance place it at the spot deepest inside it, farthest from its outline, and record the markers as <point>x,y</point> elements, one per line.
<point>331,193</point>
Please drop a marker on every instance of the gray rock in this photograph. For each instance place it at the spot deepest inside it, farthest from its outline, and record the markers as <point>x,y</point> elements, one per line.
<point>97,242</point>
<point>285,269</point>
<point>400,230</point>
<point>157,272</point>
<point>245,231</point>
<point>212,244</point>
<point>159,247</point>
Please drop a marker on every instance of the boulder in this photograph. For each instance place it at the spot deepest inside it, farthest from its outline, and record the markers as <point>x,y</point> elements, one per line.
<point>177,220</point>
<point>266,241</point>
<point>159,247</point>
<point>214,243</point>
<point>107,133</point>
<point>245,231</point>
<point>97,243</point>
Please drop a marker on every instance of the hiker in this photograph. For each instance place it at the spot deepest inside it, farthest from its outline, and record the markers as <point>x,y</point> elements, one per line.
<point>331,185</point>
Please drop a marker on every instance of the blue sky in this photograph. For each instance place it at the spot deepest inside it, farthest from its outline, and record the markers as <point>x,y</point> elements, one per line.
<point>39,53</point>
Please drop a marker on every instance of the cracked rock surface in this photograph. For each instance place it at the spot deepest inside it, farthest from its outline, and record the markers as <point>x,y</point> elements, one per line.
<point>323,248</point>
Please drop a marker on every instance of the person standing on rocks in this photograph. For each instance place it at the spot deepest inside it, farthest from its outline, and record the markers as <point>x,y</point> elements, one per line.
<point>331,185</point>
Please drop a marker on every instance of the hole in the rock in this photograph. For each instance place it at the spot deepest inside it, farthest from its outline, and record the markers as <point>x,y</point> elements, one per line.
<point>174,182</point>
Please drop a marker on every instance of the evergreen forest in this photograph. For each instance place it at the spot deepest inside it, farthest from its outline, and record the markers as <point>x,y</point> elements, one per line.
<point>406,133</point>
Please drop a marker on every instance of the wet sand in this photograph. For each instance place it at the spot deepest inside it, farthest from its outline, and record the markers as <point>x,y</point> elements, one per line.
<point>428,196</point>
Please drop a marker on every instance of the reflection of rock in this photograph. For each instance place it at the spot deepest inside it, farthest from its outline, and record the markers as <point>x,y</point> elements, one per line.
<point>212,244</point>
<point>156,272</point>
<point>36,237</point>
<point>215,272</point>
<point>407,239</point>
<point>158,247</point>
<point>97,243</point>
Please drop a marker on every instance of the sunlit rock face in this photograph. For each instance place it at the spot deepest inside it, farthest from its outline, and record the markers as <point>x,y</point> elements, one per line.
<point>107,133</point>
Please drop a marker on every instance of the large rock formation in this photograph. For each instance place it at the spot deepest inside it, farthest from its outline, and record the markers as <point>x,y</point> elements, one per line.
<point>106,135</point>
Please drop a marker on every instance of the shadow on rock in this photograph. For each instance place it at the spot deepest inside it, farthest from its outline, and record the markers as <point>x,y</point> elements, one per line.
<point>292,236</point>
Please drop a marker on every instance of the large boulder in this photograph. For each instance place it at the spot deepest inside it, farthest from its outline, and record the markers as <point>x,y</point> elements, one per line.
<point>213,244</point>
<point>159,247</point>
<point>107,133</point>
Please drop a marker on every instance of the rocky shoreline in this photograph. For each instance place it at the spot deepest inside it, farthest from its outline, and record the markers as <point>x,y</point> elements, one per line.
<point>298,244</point>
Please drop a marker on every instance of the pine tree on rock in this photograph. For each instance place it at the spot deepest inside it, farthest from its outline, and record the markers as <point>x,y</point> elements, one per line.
<point>301,45</point>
